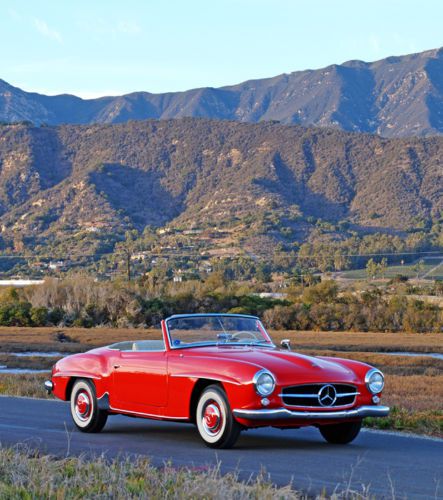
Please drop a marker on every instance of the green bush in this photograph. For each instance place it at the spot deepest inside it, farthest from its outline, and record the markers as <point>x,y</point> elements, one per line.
<point>39,316</point>
<point>82,302</point>
<point>15,314</point>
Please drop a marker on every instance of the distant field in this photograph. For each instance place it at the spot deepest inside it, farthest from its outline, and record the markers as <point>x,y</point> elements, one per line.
<point>391,272</point>
<point>28,339</point>
<point>427,271</point>
<point>363,341</point>
<point>437,273</point>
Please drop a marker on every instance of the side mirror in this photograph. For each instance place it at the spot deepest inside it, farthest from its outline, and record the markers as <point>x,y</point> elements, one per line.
<point>286,344</point>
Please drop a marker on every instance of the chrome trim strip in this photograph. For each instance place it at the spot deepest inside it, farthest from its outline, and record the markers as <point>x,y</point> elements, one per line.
<point>341,395</point>
<point>298,395</point>
<point>75,374</point>
<point>335,407</point>
<point>285,414</point>
<point>207,376</point>
<point>212,344</point>
<point>197,315</point>
<point>127,412</point>
<point>321,384</point>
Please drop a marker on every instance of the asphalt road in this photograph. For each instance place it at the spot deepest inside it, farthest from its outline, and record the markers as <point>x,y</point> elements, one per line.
<point>410,466</point>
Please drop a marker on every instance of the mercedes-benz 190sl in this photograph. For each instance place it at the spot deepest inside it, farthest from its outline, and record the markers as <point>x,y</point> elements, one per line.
<point>223,373</point>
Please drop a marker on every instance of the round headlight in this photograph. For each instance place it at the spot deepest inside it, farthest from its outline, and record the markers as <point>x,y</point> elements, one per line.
<point>375,381</point>
<point>264,382</point>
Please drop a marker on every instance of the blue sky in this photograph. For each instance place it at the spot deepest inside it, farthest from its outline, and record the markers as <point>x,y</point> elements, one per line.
<point>103,47</point>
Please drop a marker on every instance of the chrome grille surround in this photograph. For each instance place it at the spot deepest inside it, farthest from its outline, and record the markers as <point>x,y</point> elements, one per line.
<point>319,395</point>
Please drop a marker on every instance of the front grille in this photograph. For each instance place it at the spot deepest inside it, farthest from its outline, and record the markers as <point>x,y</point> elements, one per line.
<point>319,395</point>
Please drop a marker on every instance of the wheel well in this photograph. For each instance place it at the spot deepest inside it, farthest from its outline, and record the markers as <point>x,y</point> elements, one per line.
<point>71,383</point>
<point>199,387</point>
<point>69,387</point>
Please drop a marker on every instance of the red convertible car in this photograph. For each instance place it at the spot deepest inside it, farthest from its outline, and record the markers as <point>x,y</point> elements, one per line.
<point>223,373</point>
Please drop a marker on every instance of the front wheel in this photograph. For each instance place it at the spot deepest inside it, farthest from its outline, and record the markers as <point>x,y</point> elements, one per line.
<point>340,433</point>
<point>84,407</point>
<point>215,421</point>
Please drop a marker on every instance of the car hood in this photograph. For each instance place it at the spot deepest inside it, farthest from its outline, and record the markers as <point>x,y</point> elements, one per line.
<point>287,366</point>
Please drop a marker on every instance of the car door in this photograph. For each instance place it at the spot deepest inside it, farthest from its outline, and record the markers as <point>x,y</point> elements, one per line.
<point>140,381</point>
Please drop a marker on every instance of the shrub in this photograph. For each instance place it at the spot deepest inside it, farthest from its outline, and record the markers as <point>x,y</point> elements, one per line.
<point>15,314</point>
<point>39,316</point>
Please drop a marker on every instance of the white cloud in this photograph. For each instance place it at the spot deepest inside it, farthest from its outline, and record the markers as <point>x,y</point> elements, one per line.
<point>43,28</point>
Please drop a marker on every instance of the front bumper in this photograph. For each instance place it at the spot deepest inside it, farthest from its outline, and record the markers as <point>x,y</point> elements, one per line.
<point>285,414</point>
<point>49,386</point>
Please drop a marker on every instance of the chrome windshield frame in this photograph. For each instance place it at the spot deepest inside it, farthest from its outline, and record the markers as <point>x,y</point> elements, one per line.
<point>265,334</point>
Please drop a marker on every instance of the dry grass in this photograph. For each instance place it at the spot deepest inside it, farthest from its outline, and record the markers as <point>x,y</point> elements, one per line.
<point>345,341</point>
<point>31,362</point>
<point>28,476</point>
<point>46,339</point>
<point>25,475</point>
<point>389,364</point>
<point>26,384</point>
<point>415,392</point>
<point>363,341</point>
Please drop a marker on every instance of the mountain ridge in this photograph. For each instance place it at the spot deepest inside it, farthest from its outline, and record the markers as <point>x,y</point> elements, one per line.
<point>398,96</point>
<point>69,184</point>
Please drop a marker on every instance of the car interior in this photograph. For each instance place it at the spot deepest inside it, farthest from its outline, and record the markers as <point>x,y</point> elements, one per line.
<point>139,345</point>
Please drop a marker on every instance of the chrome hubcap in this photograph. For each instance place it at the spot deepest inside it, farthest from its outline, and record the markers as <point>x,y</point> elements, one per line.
<point>83,405</point>
<point>212,418</point>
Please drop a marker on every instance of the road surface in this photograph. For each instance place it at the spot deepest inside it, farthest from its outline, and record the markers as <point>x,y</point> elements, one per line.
<point>410,466</point>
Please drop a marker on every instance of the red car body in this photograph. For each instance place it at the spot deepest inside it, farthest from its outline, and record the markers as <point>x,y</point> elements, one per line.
<point>167,383</point>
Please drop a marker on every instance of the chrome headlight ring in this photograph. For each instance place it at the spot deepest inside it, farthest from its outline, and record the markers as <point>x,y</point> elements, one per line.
<point>375,381</point>
<point>264,382</point>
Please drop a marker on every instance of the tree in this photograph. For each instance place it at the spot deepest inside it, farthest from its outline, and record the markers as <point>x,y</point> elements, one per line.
<point>371,269</point>
<point>127,248</point>
<point>418,267</point>
<point>263,273</point>
<point>326,291</point>
<point>382,267</point>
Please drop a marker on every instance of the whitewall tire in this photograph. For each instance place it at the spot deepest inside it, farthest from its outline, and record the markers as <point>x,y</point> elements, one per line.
<point>215,422</point>
<point>85,412</point>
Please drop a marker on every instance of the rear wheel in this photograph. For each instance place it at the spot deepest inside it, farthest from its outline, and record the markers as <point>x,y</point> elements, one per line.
<point>340,433</point>
<point>215,421</point>
<point>84,407</point>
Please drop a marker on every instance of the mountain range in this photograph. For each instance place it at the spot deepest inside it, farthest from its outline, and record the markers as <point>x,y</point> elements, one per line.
<point>393,97</point>
<point>68,186</point>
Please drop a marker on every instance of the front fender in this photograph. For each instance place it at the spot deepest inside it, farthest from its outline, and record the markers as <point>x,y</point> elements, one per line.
<point>87,365</point>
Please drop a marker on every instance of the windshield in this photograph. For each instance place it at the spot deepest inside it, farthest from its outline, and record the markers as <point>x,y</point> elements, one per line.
<point>189,331</point>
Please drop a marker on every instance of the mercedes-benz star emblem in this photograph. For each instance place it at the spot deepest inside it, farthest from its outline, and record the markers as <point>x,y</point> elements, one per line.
<point>327,395</point>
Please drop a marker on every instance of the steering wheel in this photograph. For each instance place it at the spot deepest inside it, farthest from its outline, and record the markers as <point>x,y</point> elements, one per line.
<point>246,333</point>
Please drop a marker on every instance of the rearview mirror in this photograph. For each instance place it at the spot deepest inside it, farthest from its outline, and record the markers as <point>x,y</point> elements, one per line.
<point>286,344</point>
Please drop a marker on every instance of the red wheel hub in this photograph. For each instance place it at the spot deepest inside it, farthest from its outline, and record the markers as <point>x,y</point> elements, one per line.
<point>212,417</point>
<point>83,405</point>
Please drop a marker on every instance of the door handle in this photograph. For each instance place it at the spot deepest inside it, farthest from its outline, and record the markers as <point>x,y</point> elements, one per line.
<point>116,366</point>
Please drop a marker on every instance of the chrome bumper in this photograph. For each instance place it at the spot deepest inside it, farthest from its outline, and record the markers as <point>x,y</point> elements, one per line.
<point>49,386</point>
<point>285,414</point>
